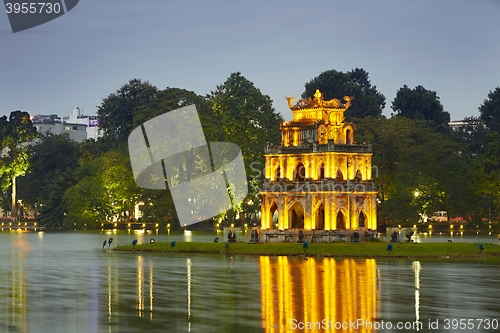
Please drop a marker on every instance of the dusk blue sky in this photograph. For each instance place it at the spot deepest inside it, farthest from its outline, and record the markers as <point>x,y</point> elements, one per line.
<point>448,46</point>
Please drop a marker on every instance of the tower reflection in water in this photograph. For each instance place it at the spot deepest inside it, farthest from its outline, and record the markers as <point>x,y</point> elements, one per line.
<point>317,294</point>
<point>188,294</point>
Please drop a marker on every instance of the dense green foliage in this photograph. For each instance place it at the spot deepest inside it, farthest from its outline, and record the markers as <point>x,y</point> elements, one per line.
<point>419,170</point>
<point>249,120</point>
<point>420,103</point>
<point>117,111</point>
<point>14,162</point>
<point>420,165</point>
<point>86,185</point>
<point>53,163</point>
<point>490,110</point>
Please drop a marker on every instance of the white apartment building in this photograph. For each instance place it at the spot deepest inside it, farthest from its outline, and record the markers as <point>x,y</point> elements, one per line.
<point>92,122</point>
<point>78,126</point>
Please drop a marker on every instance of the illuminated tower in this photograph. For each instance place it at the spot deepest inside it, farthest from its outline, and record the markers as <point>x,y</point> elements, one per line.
<point>318,178</point>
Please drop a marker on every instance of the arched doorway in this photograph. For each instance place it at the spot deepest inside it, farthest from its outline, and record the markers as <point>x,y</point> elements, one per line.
<point>277,174</point>
<point>274,214</point>
<point>322,172</point>
<point>296,216</point>
<point>349,138</point>
<point>299,173</point>
<point>362,219</point>
<point>320,217</point>
<point>340,221</point>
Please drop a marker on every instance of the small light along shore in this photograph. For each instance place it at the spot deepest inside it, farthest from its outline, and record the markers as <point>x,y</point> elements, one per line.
<point>374,249</point>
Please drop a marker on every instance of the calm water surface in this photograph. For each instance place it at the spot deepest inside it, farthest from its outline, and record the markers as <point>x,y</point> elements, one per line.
<point>66,282</point>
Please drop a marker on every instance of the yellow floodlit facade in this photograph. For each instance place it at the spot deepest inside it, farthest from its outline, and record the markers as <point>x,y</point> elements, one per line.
<point>318,178</point>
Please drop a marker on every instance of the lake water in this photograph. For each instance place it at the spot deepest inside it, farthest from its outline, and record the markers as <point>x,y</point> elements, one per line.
<point>66,282</point>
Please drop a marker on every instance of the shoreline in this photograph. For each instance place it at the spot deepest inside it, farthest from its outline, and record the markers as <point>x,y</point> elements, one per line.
<point>348,250</point>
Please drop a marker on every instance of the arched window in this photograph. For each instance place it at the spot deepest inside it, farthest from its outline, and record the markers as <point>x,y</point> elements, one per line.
<point>277,174</point>
<point>362,218</point>
<point>299,173</point>
<point>322,172</point>
<point>320,217</point>
<point>274,214</point>
<point>340,176</point>
<point>349,137</point>
<point>359,175</point>
<point>340,221</point>
<point>296,216</point>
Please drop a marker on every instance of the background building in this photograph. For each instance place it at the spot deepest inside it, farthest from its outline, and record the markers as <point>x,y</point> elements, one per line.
<point>92,122</point>
<point>79,127</point>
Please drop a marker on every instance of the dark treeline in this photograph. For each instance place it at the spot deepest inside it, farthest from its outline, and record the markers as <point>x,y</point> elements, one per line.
<point>420,164</point>
<point>73,185</point>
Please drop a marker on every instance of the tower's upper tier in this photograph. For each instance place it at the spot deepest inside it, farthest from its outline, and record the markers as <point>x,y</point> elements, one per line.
<point>317,109</point>
<point>317,121</point>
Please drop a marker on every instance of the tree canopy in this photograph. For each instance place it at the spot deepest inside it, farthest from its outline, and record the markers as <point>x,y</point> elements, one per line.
<point>53,164</point>
<point>116,113</point>
<point>158,204</point>
<point>249,120</point>
<point>368,101</point>
<point>15,135</point>
<point>490,110</point>
<point>173,98</point>
<point>420,103</point>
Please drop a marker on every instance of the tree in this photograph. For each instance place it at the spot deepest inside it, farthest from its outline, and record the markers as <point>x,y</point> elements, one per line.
<point>490,110</point>
<point>248,117</point>
<point>116,113</point>
<point>248,120</point>
<point>392,139</point>
<point>173,98</point>
<point>105,190</point>
<point>334,84</point>
<point>158,204</point>
<point>428,177</point>
<point>15,135</point>
<point>439,177</point>
<point>53,163</point>
<point>487,168</point>
<point>472,134</point>
<point>420,103</point>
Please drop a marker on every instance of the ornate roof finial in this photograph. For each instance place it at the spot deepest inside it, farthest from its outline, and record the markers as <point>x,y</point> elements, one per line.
<point>318,96</point>
<point>317,101</point>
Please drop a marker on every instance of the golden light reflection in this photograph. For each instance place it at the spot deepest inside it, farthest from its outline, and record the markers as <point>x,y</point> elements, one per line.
<point>140,286</point>
<point>19,295</point>
<point>317,295</point>
<point>141,293</point>
<point>110,295</point>
<point>416,269</point>
<point>188,268</point>
<point>151,291</point>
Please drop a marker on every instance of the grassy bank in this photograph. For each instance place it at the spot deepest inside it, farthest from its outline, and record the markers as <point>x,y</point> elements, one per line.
<point>367,250</point>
